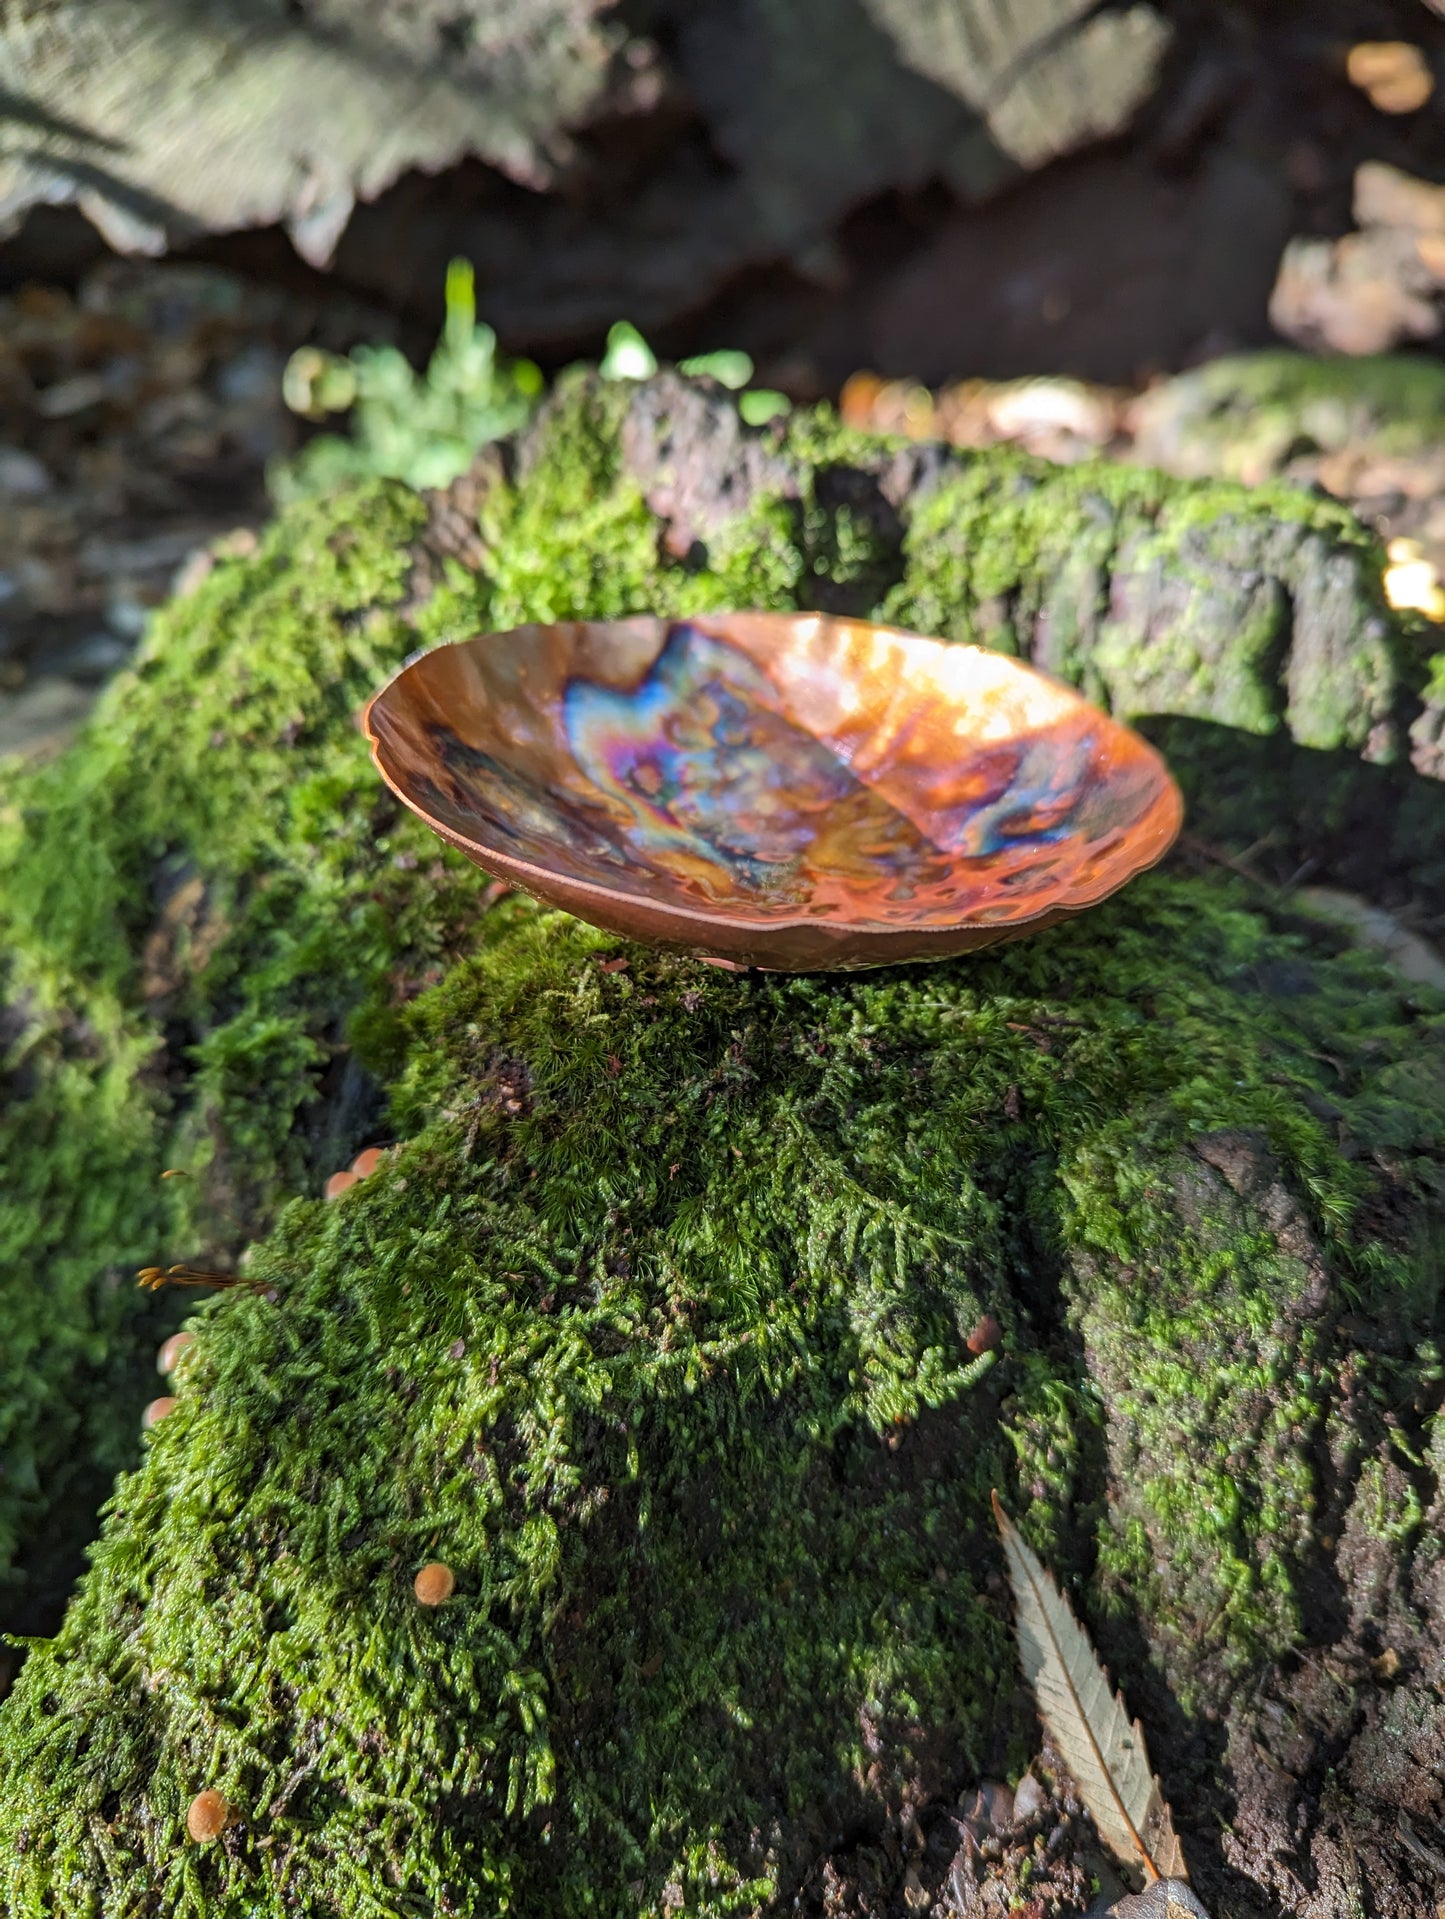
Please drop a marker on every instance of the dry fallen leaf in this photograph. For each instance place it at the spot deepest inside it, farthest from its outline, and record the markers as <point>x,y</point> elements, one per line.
<point>1411,581</point>
<point>1104,1752</point>
<point>1416,958</point>
<point>1386,197</point>
<point>1394,75</point>
<point>1164,1899</point>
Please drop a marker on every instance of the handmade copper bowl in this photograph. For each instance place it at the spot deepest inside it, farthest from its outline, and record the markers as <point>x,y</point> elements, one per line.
<point>786,791</point>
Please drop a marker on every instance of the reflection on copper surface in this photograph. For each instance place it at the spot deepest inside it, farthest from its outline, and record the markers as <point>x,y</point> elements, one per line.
<point>782,790</point>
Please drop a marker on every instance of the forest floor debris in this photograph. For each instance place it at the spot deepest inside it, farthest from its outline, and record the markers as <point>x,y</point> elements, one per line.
<point>138,416</point>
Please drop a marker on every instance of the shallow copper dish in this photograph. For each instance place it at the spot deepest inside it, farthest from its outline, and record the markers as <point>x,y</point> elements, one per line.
<point>787,791</point>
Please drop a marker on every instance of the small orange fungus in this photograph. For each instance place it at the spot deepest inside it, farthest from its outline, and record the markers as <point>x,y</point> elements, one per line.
<point>338,1183</point>
<point>209,1815</point>
<point>169,1356</point>
<point>434,1584</point>
<point>858,398</point>
<point>157,1410</point>
<point>986,1337</point>
<point>366,1163</point>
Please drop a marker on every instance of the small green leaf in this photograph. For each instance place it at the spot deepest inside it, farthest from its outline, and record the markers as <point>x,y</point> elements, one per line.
<point>729,366</point>
<point>761,404</point>
<point>628,356</point>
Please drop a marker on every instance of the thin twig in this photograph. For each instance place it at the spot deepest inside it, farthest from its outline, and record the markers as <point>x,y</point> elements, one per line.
<point>1417,1847</point>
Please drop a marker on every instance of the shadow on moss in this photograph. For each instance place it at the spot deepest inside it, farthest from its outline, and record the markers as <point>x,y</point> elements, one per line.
<point>1297,813</point>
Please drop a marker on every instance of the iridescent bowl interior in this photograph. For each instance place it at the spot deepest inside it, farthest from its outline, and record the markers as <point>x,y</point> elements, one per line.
<point>780,790</point>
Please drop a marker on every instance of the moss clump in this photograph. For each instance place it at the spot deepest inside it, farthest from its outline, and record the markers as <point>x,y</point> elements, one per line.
<point>194,902</point>
<point>654,1329</point>
<point>1249,415</point>
<point>1205,601</point>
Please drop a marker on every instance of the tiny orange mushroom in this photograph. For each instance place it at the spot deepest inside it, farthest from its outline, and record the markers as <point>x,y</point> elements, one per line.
<point>338,1183</point>
<point>157,1410</point>
<point>209,1815</point>
<point>986,1337</point>
<point>366,1162</point>
<point>169,1356</point>
<point>434,1584</point>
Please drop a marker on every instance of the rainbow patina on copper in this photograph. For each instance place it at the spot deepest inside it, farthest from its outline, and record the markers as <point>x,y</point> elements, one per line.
<point>784,790</point>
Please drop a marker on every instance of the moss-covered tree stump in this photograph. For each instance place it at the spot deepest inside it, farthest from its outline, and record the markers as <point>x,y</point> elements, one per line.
<point>664,1325</point>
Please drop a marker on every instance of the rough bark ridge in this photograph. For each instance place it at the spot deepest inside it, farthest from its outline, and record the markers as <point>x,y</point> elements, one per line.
<point>166,118</point>
<point>655,1327</point>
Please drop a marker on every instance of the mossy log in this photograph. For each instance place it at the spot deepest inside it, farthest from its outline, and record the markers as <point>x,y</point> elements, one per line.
<point>659,1326</point>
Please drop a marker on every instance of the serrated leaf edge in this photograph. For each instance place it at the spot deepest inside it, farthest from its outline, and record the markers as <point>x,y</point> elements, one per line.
<point>1104,1797</point>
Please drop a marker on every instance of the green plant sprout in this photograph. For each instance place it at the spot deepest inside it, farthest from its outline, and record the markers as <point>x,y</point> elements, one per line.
<point>628,356</point>
<point>425,429</point>
<point>760,404</point>
<point>728,366</point>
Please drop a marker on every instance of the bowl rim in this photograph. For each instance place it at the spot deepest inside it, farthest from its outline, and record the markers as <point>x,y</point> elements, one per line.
<point>1168,806</point>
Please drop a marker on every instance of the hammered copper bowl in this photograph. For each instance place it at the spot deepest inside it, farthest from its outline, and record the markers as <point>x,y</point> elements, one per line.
<point>788,791</point>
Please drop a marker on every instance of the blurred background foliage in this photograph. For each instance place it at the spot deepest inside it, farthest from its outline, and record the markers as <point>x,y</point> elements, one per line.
<point>422,427</point>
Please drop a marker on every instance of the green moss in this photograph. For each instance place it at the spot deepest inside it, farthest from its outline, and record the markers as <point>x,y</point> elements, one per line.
<point>1160,599</point>
<point>654,1331</point>
<point>194,902</point>
<point>655,1327</point>
<point>1387,1506</point>
<point>1248,415</point>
